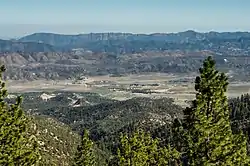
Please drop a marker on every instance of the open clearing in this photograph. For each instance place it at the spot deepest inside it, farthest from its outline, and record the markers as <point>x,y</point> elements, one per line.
<point>154,85</point>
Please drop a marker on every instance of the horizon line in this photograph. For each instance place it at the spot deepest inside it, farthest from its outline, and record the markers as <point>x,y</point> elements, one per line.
<point>134,33</point>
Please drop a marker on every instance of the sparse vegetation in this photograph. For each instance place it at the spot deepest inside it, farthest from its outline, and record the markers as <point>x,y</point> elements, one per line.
<point>57,142</point>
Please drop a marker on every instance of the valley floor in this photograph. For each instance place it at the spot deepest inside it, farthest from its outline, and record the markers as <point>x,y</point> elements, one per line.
<point>154,85</point>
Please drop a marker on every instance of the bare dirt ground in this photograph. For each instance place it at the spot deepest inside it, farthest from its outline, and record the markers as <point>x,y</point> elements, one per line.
<point>179,87</point>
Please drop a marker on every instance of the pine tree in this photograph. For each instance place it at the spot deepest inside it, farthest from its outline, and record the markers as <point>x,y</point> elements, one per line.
<point>177,140</point>
<point>140,149</point>
<point>85,152</point>
<point>17,147</point>
<point>210,140</point>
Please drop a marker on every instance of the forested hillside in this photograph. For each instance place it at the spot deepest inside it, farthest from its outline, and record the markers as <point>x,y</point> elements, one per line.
<point>57,142</point>
<point>136,131</point>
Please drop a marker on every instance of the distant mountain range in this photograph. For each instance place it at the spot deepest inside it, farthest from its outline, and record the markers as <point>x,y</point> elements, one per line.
<point>120,43</point>
<point>187,36</point>
<point>55,56</point>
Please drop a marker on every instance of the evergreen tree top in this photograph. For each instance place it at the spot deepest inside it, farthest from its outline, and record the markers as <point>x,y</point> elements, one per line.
<point>208,134</point>
<point>16,146</point>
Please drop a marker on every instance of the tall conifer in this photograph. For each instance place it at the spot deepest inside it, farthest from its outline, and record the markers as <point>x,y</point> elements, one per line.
<point>85,152</point>
<point>207,124</point>
<point>17,147</point>
<point>140,149</point>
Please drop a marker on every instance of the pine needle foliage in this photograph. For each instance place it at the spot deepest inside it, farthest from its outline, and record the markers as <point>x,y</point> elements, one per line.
<point>140,149</point>
<point>17,147</point>
<point>210,141</point>
<point>85,153</point>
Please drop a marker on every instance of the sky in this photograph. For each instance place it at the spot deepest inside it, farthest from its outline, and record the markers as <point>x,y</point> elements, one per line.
<point>23,17</point>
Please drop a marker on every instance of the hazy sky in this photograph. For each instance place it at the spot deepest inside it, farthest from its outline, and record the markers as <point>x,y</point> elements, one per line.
<point>21,17</point>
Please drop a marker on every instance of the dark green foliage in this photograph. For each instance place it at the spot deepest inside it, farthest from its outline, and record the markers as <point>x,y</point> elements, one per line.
<point>17,147</point>
<point>61,100</point>
<point>210,140</point>
<point>85,153</point>
<point>107,119</point>
<point>240,114</point>
<point>140,149</point>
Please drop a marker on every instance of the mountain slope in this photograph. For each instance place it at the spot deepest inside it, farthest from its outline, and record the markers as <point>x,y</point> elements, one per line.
<point>17,46</point>
<point>106,119</point>
<point>57,141</point>
<point>61,66</point>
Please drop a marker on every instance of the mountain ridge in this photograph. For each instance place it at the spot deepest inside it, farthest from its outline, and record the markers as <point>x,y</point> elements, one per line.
<point>48,55</point>
<point>120,43</point>
<point>137,36</point>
